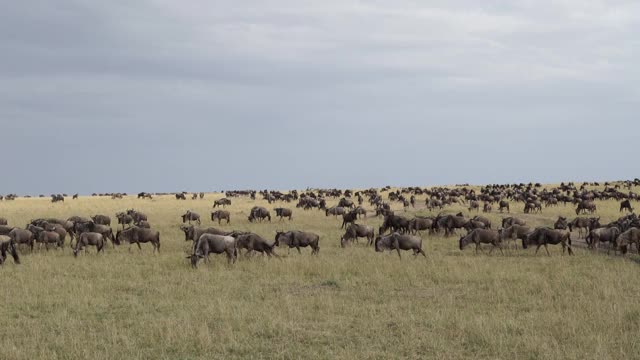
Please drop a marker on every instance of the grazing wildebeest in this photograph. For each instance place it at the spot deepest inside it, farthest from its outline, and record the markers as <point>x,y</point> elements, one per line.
<point>221,202</point>
<point>626,205</point>
<point>355,231</point>
<point>216,244</point>
<point>254,242</point>
<point>418,224</point>
<point>22,236</point>
<point>506,222</point>
<point>474,205</point>
<point>596,236</point>
<point>586,206</point>
<point>396,241</point>
<point>8,245</point>
<point>89,239</point>
<point>514,232</point>
<point>486,208</point>
<point>221,215</point>
<point>335,211</point>
<point>561,223</point>
<point>3,221</point>
<point>297,239</point>
<point>136,215</point>
<point>543,236</point>
<point>631,236</point>
<point>259,213</point>
<point>482,236</point>
<point>57,197</point>
<point>124,219</point>
<point>503,205</point>
<point>190,216</point>
<point>192,232</point>
<point>101,219</point>
<point>349,218</point>
<point>283,213</point>
<point>90,226</point>
<point>181,196</point>
<point>138,235</point>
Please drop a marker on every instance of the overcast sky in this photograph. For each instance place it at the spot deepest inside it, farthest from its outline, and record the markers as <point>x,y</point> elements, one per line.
<point>208,95</point>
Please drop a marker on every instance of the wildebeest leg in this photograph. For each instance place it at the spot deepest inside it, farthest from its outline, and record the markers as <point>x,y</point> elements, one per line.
<point>298,247</point>
<point>139,247</point>
<point>538,248</point>
<point>398,249</point>
<point>547,249</point>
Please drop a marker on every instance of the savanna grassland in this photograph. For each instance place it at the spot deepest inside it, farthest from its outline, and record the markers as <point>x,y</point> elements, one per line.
<point>348,303</point>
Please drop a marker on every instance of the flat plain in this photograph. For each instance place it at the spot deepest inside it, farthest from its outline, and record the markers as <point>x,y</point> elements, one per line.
<point>345,303</point>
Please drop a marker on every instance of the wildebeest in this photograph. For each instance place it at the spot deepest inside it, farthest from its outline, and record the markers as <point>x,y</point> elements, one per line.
<point>89,239</point>
<point>482,236</point>
<point>190,216</point>
<point>297,239</point>
<point>283,213</point>
<point>583,224</point>
<point>101,219</point>
<point>627,238</point>
<point>45,237</point>
<point>144,195</point>
<point>90,226</point>
<point>360,211</point>
<point>596,236</point>
<point>586,206</point>
<point>543,236</point>
<point>474,205</point>
<point>514,232</point>
<point>3,221</point>
<point>143,224</point>
<point>22,236</point>
<point>5,230</point>
<point>137,215</point>
<point>259,213</point>
<point>503,205</point>
<point>533,207</point>
<point>8,246</point>
<point>396,241</point>
<point>57,197</point>
<point>221,202</point>
<point>335,211</point>
<point>486,208</point>
<point>349,218</point>
<point>561,223</point>
<point>449,223</point>
<point>354,231</point>
<point>626,205</point>
<point>346,203</point>
<point>193,233</point>
<point>181,196</point>
<point>506,222</point>
<point>394,223</point>
<point>221,215</point>
<point>484,220</point>
<point>254,242</point>
<point>124,219</point>
<point>216,244</point>
<point>419,223</point>
<point>139,235</point>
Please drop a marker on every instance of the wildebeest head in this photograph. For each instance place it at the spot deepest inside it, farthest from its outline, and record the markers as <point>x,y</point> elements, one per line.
<point>188,231</point>
<point>463,242</point>
<point>194,258</point>
<point>278,235</point>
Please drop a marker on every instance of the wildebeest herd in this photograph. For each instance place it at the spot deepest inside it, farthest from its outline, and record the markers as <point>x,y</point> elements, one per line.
<point>396,232</point>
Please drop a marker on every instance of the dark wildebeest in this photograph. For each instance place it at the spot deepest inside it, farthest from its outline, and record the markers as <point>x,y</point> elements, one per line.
<point>124,219</point>
<point>190,216</point>
<point>5,230</point>
<point>360,211</point>
<point>181,196</point>
<point>543,236</point>
<point>349,218</point>
<point>596,236</point>
<point>144,195</point>
<point>533,207</point>
<point>346,203</point>
<point>586,206</point>
<point>216,244</point>
<point>45,237</point>
<point>298,239</point>
<point>355,231</point>
<point>504,205</point>
<point>192,232</point>
<point>221,202</point>
<point>506,222</point>
<point>624,205</point>
<point>143,224</point>
<point>627,238</point>
<point>136,215</point>
<point>482,236</point>
<point>486,208</point>
<point>583,224</point>
<point>8,245</point>
<point>561,223</point>
<point>89,239</point>
<point>398,242</point>
<point>259,213</point>
<point>283,213</point>
<point>335,211</point>
<point>394,223</point>
<point>90,226</point>
<point>449,223</point>
<point>3,221</point>
<point>484,220</point>
<point>514,232</point>
<point>473,225</point>
<point>418,224</point>
<point>56,198</point>
<point>254,242</point>
<point>75,196</point>
<point>138,235</point>
<point>474,205</point>
<point>101,219</point>
<point>22,236</point>
<point>221,215</point>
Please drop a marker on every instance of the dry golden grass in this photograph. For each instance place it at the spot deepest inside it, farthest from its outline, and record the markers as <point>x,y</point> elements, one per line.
<point>345,303</point>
